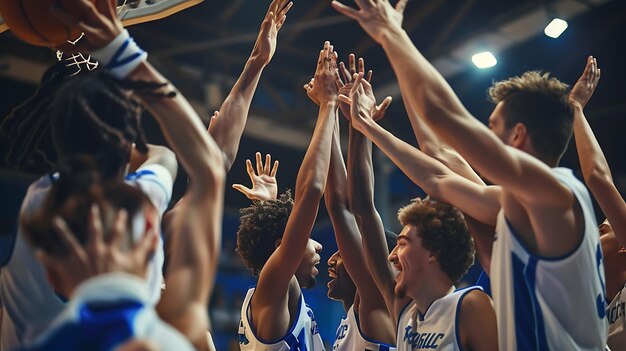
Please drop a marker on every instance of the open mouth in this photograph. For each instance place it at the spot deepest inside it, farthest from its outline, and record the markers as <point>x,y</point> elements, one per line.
<point>331,273</point>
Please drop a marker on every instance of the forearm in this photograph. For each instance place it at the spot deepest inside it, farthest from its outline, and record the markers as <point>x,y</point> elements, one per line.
<point>360,173</point>
<point>593,164</point>
<point>597,175</point>
<point>181,127</point>
<point>335,196</point>
<point>314,168</point>
<point>231,123</point>
<point>438,106</point>
<point>369,223</point>
<point>420,168</point>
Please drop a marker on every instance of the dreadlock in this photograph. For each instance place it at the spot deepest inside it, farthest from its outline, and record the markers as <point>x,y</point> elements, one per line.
<point>87,113</point>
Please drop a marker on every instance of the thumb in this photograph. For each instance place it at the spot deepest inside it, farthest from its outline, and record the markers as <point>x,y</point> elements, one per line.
<point>242,189</point>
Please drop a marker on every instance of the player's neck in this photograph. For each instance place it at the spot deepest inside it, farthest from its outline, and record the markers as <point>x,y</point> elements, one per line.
<point>429,291</point>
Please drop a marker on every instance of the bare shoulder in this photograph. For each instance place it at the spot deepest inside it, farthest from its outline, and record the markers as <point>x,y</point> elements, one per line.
<point>477,322</point>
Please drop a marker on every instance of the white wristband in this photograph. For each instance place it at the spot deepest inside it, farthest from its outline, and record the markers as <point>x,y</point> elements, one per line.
<point>121,56</point>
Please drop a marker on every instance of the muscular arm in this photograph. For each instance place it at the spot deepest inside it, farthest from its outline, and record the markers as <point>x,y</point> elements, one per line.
<point>593,164</point>
<point>270,297</point>
<point>597,175</point>
<point>196,241</point>
<point>361,192</point>
<point>228,128</point>
<point>374,317</point>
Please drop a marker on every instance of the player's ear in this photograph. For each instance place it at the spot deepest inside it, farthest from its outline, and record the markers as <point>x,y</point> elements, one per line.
<point>277,243</point>
<point>520,133</point>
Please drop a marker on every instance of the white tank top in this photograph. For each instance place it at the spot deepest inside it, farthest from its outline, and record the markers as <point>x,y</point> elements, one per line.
<point>550,303</point>
<point>616,315</point>
<point>302,336</point>
<point>437,329</point>
<point>349,336</point>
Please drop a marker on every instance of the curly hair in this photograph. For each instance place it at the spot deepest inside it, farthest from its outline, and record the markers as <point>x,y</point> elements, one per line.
<point>262,224</point>
<point>71,196</point>
<point>443,232</point>
<point>540,103</point>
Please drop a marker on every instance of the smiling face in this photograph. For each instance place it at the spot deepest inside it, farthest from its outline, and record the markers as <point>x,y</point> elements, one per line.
<point>340,286</point>
<point>411,260</point>
<point>307,271</point>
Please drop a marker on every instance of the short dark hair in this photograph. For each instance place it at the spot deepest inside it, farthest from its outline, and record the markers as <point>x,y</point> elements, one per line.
<point>262,224</point>
<point>443,232</point>
<point>540,103</point>
<point>78,187</point>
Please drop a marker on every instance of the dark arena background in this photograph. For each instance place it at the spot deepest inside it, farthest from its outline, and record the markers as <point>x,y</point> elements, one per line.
<point>202,49</point>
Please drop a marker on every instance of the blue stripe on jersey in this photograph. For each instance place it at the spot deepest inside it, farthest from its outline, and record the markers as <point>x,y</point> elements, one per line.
<point>296,344</point>
<point>136,175</point>
<point>529,329</point>
<point>99,327</point>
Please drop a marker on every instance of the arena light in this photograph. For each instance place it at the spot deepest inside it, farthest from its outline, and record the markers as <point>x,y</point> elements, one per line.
<point>555,28</point>
<point>484,60</point>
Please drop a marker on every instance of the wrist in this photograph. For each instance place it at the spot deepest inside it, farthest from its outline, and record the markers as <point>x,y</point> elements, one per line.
<point>121,56</point>
<point>391,34</point>
<point>576,106</point>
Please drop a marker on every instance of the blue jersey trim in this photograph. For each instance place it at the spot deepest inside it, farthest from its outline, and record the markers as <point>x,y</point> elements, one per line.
<point>529,328</point>
<point>284,338</point>
<point>543,258</point>
<point>402,312</point>
<point>458,312</point>
<point>358,326</point>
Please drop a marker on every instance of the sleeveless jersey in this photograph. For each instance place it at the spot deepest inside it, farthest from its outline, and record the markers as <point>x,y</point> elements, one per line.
<point>437,329</point>
<point>29,301</point>
<point>616,315</point>
<point>550,303</point>
<point>302,336</point>
<point>350,337</point>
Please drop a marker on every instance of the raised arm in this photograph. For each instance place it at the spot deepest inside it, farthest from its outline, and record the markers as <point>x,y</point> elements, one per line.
<point>228,128</point>
<point>593,164</point>
<point>375,321</point>
<point>274,279</point>
<point>361,192</point>
<point>433,99</point>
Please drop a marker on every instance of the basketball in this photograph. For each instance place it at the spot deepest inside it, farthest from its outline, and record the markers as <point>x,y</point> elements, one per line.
<point>33,22</point>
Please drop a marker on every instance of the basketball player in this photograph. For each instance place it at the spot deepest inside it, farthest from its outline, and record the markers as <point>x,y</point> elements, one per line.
<point>367,325</point>
<point>434,250</point>
<point>89,116</point>
<point>196,242</point>
<point>542,242</point>
<point>273,240</point>
<point>597,175</point>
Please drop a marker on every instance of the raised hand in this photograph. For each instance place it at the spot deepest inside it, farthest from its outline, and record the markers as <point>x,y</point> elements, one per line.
<point>99,24</point>
<point>363,108</point>
<point>322,88</point>
<point>377,17</point>
<point>345,85</point>
<point>586,84</point>
<point>99,255</point>
<point>265,45</point>
<point>264,185</point>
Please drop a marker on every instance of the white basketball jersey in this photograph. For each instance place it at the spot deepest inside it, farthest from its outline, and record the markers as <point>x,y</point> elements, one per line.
<point>302,336</point>
<point>616,315</point>
<point>437,329</point>
<point>29,301</point>
<point>349,336</point>
<point>550,303</point>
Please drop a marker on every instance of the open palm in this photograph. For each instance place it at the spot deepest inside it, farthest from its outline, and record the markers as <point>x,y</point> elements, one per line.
<point>264,185</point>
